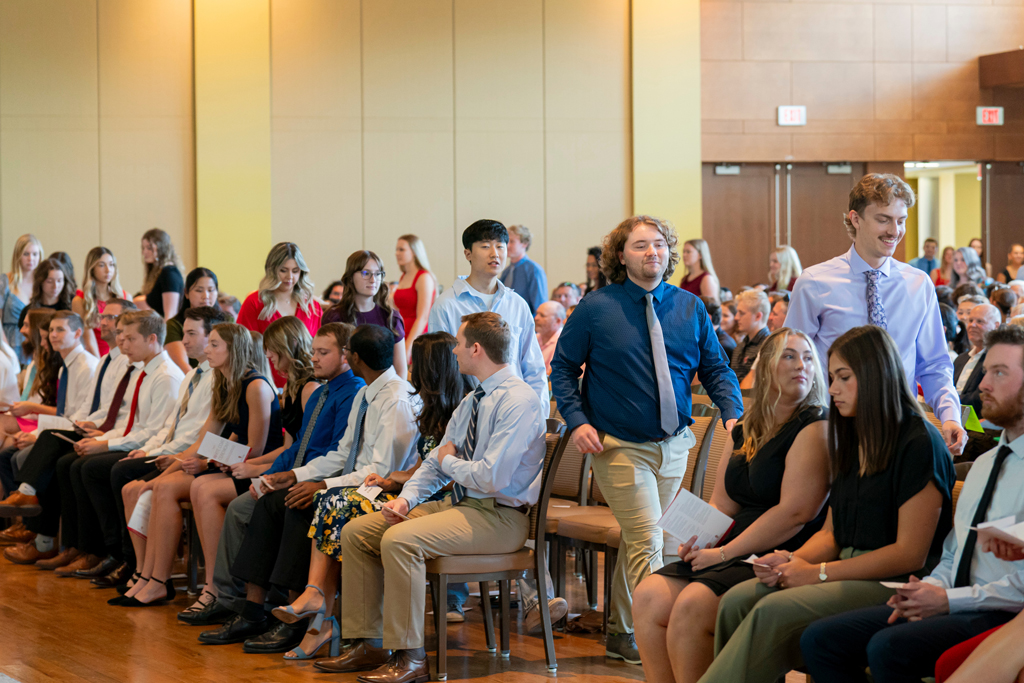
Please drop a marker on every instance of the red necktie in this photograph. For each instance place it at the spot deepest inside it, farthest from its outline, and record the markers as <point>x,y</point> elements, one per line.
<point>135,404</point>
<point>115,405</point>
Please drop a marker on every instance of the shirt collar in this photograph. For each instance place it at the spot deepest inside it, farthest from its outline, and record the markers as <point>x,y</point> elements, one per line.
<point>554,337</point>
<point>374,387</point>
<point>114,352</point>
<point>340,380</point>
<point>636,292</point>
<point>859,265</point>
<point>155,363</point>
<point>497,379</point>
<point>1017,445</point>
<point>204,366</point>
<point>73,355</point>
<point>462,287</point>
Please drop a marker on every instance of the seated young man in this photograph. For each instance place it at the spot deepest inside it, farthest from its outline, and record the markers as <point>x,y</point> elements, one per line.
<point>493,450</point>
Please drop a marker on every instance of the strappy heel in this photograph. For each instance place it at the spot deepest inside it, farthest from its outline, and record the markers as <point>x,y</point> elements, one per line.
<point>334,641</point>
<point>288,615</point>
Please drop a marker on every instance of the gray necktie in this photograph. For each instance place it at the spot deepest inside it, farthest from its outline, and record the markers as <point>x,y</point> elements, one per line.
<point>357,438</point>
<point>300,458</point>
<point>183,408</point>
<point>511,277</point>
<point>666,394</point>
<point>458,490</point>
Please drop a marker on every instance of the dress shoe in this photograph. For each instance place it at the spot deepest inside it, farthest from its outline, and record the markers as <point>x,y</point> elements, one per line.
<point>107,565</point>
<point>19,505</point>
<point>115,578</point>
<point>557,608</point>
<point>83,562</point>
<point>281,638</point>
<point>358,656</point>
<point>237,629</point>
<point>16,533</point>
<point>401,668</point>
<point>27,553</point>
<point>211,614</point>
<point>63,559</point>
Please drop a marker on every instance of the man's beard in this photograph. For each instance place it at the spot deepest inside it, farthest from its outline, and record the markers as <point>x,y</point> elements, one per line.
<point>1005,414</point>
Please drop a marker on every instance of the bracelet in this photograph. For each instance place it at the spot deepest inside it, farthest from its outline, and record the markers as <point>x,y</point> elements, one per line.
<point>721,551</point>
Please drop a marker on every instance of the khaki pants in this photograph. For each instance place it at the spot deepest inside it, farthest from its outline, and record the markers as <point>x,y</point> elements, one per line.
<point>638,480</point>
<point>384,574</point>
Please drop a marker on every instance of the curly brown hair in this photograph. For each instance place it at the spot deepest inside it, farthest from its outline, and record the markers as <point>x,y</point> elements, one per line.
<point>876,188</point>
<point>615,242</point>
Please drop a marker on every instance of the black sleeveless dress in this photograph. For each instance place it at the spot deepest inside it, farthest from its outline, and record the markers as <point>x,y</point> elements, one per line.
<point>756,486</point>
<point>275,435</point>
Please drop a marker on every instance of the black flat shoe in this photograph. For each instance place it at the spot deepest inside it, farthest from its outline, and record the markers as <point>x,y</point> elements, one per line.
<point>135,602</point>
<point>108,565</point>
<point>281,638</point>
<point>123,588</point>
<point>237,629</point>
<point>210,615</point>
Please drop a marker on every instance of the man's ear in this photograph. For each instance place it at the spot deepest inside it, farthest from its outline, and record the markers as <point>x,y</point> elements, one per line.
<point>468,253</point>
<point>622,259</point>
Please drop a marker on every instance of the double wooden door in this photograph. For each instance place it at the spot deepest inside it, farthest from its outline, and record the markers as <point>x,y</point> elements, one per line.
<point>1002,224</point>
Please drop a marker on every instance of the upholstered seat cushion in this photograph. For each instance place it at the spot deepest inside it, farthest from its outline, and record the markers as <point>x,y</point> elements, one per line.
<point>591,526</point>
<point>557,509</point>
<point>481,564</point>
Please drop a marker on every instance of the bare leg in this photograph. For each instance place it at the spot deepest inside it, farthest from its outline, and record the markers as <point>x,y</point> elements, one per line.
<point>164,533</point>
<point>130,496</point>
<point>211,496</point>
<point>691,632</point>
<point>321,568</point>
<point>653,603</point>
<point>999,659</point>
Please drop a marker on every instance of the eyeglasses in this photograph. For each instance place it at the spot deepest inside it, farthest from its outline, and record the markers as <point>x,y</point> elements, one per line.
<point>372,274</point>
<point>108,316</point>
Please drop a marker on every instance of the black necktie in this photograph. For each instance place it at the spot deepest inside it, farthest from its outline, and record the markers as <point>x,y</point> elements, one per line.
<point>963,570</point>
<point>99,385</point>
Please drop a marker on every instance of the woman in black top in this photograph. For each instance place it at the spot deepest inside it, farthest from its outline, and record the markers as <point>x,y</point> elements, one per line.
<point>889,510</point>
<point>773,485</point>
<point>200,290</point>
<point>163,287</point>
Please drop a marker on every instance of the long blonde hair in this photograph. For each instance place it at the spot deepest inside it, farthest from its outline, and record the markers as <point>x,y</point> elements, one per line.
<point>165,256</point>
<point>705,256</point>
<point>419,252</point>
<point>289,338</point>
<point>789,266</point>
<point>17,274</point>
<point>114,290</point>
<point>227,381</point>
<point>302,293</point>
<point>760,424</point>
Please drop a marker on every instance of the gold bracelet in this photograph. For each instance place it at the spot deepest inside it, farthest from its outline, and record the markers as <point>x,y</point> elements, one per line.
<point>721,551</point>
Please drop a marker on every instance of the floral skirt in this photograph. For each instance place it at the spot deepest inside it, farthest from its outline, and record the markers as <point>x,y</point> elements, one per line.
<point>335,507</point>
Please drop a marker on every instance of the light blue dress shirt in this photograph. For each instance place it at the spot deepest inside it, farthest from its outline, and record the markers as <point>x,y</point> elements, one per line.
<point>509,455</point>
<point>830,298</point>
<point>528,280</point>
<point>927,265</point>
<point>527,361</point>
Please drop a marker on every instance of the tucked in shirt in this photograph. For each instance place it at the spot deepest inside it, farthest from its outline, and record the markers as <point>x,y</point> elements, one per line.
<point>509,453</point>
<point>528,280</point>
<point>608,332</point>
<point>158,396</point>
<point>830,298</point>
<point>80,366</point>
<point>191,422</point>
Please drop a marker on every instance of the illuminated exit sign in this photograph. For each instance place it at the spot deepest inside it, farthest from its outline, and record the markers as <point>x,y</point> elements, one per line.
<point>793,116</point>
<point>990,116</point>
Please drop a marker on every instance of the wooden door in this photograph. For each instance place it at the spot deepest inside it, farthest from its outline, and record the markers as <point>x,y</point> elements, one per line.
<point>813,212</point>
<point>1002,186</point>
<point>740,220</point>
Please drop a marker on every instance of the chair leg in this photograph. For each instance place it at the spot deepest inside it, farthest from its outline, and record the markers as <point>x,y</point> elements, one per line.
<point>194,551</point>
<point>590,571</point>
<point>506,622</point>
<point>485,607</point>
<point>545,617</point>
<point>441,614</point>
<point>610,557</point>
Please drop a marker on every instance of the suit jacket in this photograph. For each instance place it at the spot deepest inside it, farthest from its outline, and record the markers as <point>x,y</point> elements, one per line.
<point>972,393</point>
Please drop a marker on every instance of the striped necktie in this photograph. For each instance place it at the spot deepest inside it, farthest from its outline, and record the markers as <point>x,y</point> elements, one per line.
<point>183,408</point>
<point>458,490</point>
<point>300,457</point>
<point>357,438</point>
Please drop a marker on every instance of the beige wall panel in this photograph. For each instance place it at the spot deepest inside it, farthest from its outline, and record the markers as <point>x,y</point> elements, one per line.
<point>947,92</point>
<point>317,198</point>
<point>744,90</point>
<point>721,30</point>
<point>747,147</point>
<point>929,33</point>
<point>408,168</point>
<point>833,147</point>
<point>49,170</point>
<point>984,30</point>
<point>894,34</point>
<point>834,90</point>
<point>587,142</point>
<point>146,146</point>
<point>894,147</point>
<point>970,146</point>
<point>808,32</point>
<point>894,91</point>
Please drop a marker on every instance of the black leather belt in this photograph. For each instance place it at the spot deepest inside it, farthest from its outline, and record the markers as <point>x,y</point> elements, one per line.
<point>525,509</point>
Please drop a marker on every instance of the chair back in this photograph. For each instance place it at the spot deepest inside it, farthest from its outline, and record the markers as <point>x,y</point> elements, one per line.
<point>556,438</point>
<point>571,475</point>
<point>704,429</point>
<point>957,488</point>
<point>704,479</point>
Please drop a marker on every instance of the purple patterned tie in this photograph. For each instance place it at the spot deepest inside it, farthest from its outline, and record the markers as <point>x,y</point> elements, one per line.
<point>876,311</point>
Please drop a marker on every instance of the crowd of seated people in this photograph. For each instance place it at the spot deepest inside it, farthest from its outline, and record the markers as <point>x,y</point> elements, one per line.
<point>845,555</point>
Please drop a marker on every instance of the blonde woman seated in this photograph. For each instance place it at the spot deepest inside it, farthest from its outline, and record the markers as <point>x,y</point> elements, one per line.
<point>774,486</point>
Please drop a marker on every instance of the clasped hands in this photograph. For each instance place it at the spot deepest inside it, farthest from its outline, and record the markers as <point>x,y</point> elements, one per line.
<point>781,569</point>
<point>300,493</point>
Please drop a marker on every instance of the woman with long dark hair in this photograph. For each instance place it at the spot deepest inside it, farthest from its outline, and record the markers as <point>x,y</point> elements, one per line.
<point>200,290</point>
<point>162,286</point>
<point>51,289</point>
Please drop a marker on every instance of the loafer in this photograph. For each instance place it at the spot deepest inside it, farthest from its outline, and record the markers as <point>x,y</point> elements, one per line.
<point>19,505</point>
<point>105,566</point>
<point>358,656</point>
<point>401,668</point>
<point>83,562</point>
<point>27,553</point>
<point>281,638</point>
<point>211,615</point>
<point>237,629</point>
<point>63,559</point>
<point>115,578</point>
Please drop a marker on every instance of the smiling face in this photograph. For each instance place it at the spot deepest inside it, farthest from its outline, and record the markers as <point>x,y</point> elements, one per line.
<point>288,273</point>
<point>53,285</point>
<point>487,257</point>
<point>645,254</point>
<point>1002,388</point>
<point>1016,255</point>
<point>103,270</point>
<point>368,280</point>
<point>30,258</point>
<point>929,250</point>
<point>879,230</point>
<point>202,293</point>
<point>216,350</point>
<point>959,264</point>
<point>795,371</point>
<point>148,252</point>
<point>842,386</point>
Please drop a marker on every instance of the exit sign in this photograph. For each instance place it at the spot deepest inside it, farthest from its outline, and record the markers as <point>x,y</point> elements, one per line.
<point>990,116</point>
<point>793,116</point>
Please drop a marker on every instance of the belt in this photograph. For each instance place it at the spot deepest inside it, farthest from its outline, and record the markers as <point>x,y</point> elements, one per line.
<point>525,509</point>
<point>666,438</point>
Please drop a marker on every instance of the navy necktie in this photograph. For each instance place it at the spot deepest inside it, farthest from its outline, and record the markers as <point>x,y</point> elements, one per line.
<point>62,389</point>
<point>99,385</point>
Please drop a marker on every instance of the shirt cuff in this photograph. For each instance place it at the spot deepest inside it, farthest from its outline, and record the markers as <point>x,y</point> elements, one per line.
<point>303,473</point>
<point>962,599</point>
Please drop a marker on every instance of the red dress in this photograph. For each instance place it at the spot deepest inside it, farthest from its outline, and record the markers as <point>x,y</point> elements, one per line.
<point>102,346</point>
<point>693,286</point>
<point>775,285</point>
<point>406,300</point>
<point>249,318</point>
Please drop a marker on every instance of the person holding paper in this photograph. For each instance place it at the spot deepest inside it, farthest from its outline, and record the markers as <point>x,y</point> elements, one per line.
<point>970,591</point>
<point>890,508</point>
<point>493,450</point>
<point>642,340</point>
<point>774,486</point>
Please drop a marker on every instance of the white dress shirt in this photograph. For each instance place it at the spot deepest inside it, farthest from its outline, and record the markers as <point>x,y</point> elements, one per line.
<point>115,371</point>
<point>830,298</point>
<point>191,422</point>
<point>389,435</point>
<point>158,397</point>
<point>968,370</point>
<point>80,366</point>
<point>996,585</point>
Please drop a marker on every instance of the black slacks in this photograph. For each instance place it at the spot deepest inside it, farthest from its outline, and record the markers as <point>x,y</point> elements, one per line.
<point>122,472</point>
<point>93,477</point>
<point>275,550</point>
<point>47,450</point>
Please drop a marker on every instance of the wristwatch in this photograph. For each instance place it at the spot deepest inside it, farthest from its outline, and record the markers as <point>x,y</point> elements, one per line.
<point>822,575</point>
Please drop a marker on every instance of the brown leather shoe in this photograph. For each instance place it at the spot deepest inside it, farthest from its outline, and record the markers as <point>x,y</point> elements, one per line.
<point>16,533</point>
<point>27,553</point>
<point>401,668</point>
<point>114,578</point>
<point>63,559</point>
<point>83,562</point>
<point>358,657</point>
<point>19,505</point>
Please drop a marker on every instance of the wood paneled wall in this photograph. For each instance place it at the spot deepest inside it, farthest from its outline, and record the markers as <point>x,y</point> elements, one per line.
<point>881,81</point>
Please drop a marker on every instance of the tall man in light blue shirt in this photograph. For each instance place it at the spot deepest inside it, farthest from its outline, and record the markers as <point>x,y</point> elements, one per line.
<point>493,451</point>
<point>866,285</point>
<point>524,276</point>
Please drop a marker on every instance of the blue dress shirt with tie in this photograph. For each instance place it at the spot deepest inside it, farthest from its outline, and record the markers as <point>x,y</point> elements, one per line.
<point>528,280</point>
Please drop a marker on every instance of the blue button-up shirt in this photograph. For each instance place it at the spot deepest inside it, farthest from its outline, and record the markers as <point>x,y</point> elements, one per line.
<point>608,332</point>
<point>330,424</point>
<point>509,454</point>
<point>926,265</point>
<point>830,298</point>
<point>527,361</point>
<point>528,280</point>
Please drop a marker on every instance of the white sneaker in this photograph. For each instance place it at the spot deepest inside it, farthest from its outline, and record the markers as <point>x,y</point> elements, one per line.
<point>557,607</point>
<point>455,616</point>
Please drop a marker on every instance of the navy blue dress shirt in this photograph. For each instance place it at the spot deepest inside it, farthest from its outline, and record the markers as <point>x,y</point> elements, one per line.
<point>608,333</point>
<point>528,280</point>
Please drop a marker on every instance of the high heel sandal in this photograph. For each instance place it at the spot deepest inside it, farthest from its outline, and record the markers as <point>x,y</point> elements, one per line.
<point>288,615</point>
<point>334,640</point>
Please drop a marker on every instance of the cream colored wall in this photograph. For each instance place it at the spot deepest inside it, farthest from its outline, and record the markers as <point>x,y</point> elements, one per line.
<point>96,126</point>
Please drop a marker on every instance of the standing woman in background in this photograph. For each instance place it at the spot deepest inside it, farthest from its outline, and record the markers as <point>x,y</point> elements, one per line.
<point>50,289</point>
<point>16,289</point>
<point>595,278</point>
<point>978,246</point>
<point>163,285</point>
<point>416,289</point>
<point>1014,262</point>
<point>943,275</point>
<point>200,290</point>
<point>365,302</point>
<point>100,284</point>
<point>700,278</point>
<point>783,268</point>
<point>967,268</point>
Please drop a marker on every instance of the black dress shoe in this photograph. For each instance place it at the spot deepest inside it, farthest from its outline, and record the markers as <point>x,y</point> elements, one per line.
<point>281,638</point>
<point>108,565</point>
<point>236,630</point>
<point>115,578</point>
<point>212,614</point>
